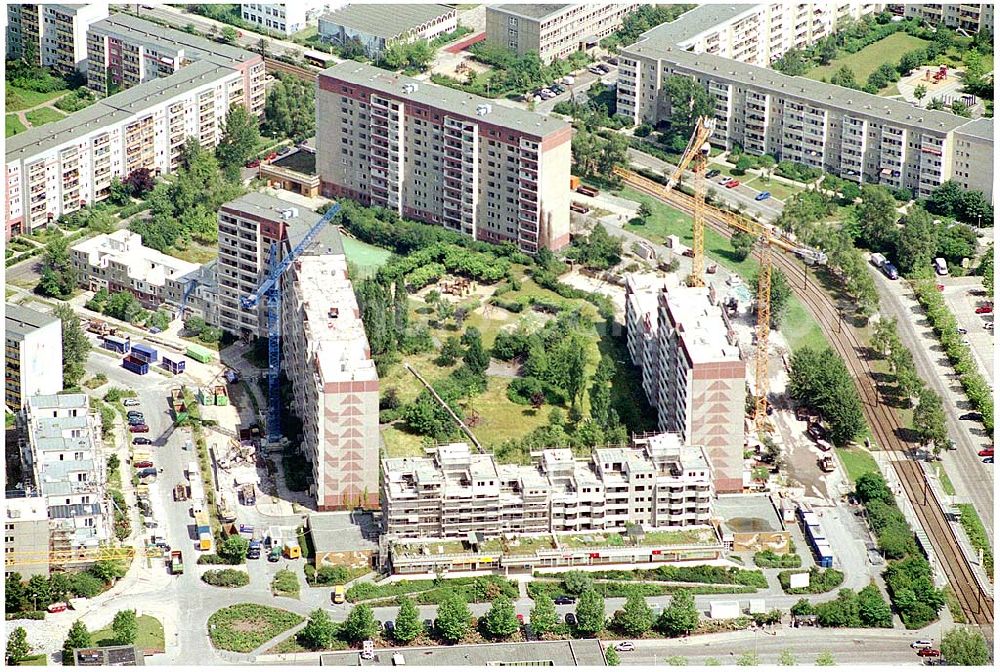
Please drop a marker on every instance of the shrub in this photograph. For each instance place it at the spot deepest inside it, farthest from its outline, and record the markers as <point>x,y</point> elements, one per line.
<point>820,581</point>
<point>226,578</point>
<point>771,560</point>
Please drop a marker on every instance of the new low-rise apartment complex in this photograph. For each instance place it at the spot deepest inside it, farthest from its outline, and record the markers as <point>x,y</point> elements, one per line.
<point>376,27</point>
<point>553,31</point>
<point>70,163</point>
<point>693,373</point>
<point>442,156</point>
<point>125,50</point>
<point>659,482</point>
<point>32,354</point>
<point>968,16</point>
<point>56,34</point>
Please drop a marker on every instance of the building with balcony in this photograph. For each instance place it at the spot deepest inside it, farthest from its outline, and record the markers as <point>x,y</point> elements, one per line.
<point>55,34</point>
<point>969,17</point>
<point>972,156</point>
<point>286,18</point>
<point>553,31</point>
<point>32,355</point>
<point>376,27</point>
<point>445,157</point>
<point>125,50</point>
<point>70,163</point>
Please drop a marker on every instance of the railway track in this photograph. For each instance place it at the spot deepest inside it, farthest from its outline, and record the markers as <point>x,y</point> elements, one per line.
<point>271,64</point>
<point>885,425</point>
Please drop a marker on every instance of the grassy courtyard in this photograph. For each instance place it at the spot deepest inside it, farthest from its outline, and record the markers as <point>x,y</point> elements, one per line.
<point>13,125</point>
<point>864,62</point>
<point>857,461</point>
<point>150,635</point>
<point>22,99</point>
<point>44,115</point>
<point>366,258</point>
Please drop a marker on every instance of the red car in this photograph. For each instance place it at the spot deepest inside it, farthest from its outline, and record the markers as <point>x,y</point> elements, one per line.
<point>272,156</point>
<point>731,184</point>
<point>56,608</point>
<point>986,452</point>
<point>253,164</point>
<point>940,288</point>
<point>138,429</point>
<point>142,464</point>
<point>984,309</point>
<point>520,617</point>
<point>929,652</point>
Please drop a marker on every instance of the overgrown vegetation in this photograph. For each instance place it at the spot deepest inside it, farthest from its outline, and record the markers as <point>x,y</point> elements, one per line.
<point>511,74</point>
<point>226,578</point>
<point>820,580</point>
<point>771,560</point>
<point>973,527</point>
<point>478,589</point>
<point>865,609</point>
<point>638,22</point>
<point>244,627</point>
<point>289,109</point>
<point>820,379</point>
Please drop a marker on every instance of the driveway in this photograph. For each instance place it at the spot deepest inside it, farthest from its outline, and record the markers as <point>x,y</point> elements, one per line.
<point>963,295</point>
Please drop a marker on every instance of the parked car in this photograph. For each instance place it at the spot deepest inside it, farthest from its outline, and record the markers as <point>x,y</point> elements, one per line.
<point>253,164</point>
<point>986,452</point>
<point>570,619</point>
<point>732,184</point>
<point>141,441</point>
<point>762,196</point>
<point>142,464</point>
<point>133,414</point>
<point>713,173</point>
<point>274,555</point>
<point>271,157</point>
<point>988,460</point>
<point>724,179</point>
<point>558,88</point>
<point>520,618</point>
<point>988,326</point>
<point>984,309</point>
<point>961,330</point>
<point>621,647</point>
<point>56,608</point>
<point>284,150</point>
<point>975,417</point>
<point>388,626</point>
<point>131,402</point>
<point>155,330</point>
<point>564,599</point>
<point>136,421</point>
<point>138,429</point>
<point>928,652</point>
<point>922,644</point>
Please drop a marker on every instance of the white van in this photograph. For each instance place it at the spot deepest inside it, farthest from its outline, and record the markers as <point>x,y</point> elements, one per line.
<point>941,266</point>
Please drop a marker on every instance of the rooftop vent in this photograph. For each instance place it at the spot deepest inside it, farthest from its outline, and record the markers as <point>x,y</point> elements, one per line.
<point>409,88</point>
<point>289,213</point>
<point>483,109</point>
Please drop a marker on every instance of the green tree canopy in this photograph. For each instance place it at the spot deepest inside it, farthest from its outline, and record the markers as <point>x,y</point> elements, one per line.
<point>408,625</point>
<point>17,646</point>
<point>78,638</point>
<point>635,618</point>
<point>319,632</point>
<point>125,627</point>
<point>544,617</point>
<point>75,345</point>
<point>501,620</point>
<point>590,612</point>
<point>360,624</point>
<point>453,617</point>
<point>963,646</point>
<point>680,617</point>
<point>240,136</point>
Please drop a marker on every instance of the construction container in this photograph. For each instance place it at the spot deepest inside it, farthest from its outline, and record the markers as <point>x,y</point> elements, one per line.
<point>724,610</point>
<point>119,344</point>
<point>221,395</point>
<point>135,365</point>
<point>144,353</point>
<point>205,541</point>
<point>172,364</point>
<point>198,353</point>
<point>206,397</point>
<point>201,521</point>
<point>574,182</point>
<point>292,550</point>
<point>177,399</point>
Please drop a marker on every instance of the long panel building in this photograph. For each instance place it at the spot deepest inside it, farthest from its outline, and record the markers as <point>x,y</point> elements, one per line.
<point>443,156</point>
<point>55,33</point>
<point>376,27</point>
<point>32,354</point>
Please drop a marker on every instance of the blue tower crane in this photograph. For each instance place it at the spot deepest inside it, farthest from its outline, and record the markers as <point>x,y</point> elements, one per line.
<point>270,290</point>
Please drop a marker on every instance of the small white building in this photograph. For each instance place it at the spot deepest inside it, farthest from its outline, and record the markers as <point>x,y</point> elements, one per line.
<point>286,17</point>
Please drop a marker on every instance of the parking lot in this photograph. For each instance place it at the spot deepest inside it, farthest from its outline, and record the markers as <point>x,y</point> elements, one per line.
<point>963,296</point>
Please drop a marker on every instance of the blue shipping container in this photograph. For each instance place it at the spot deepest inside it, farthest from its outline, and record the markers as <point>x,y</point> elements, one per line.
<point>117,343</point>
<point>135,365</point>
<point>173,366</point>
<point>144,353</point>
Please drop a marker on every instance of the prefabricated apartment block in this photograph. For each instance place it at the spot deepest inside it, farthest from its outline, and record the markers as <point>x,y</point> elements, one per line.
<point>285,17</point>
<point>32,354</point>
<point>442,156</point>
<point>968,16</point>
<point>56,33</point>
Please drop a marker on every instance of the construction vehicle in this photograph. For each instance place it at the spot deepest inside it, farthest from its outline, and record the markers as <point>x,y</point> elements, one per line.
<point>826,464</point>
<point>270,291</point>
<point>176,562</point>
<point>226,512</point>
<point>696,154</point>
<point>205,541</point>
<point>181,492</point>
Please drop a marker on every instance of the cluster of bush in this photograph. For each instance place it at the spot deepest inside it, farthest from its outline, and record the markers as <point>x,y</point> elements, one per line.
<point>206,333</point>
<point>327,575</point>
<point>820,581</point>
<point>226,578</point>
<point>427,265</point>
<point>865,609</point>
<point>772,560</point>
<point>797,171</point>
<point>38,592</point>
<point>511,73</point>
<point>694,574</point>
<point>598,111</point>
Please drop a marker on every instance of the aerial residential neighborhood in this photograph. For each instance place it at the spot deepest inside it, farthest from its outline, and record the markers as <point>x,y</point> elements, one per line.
<point>499,334</point>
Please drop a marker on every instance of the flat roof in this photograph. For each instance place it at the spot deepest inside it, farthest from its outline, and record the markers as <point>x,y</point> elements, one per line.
<point>979,128</point>
<point>747,513</point>
<point>444,98</point>
<point>694,22</point>
<point>71,400</point>
<point>536,12</point>
<point>385,20</point>
<point>579,652</point>
<point>25,509</point>
<point>111,110</point>
<point>702,326</point>
<point>21,321</point>
<point>851,101</point>
<point>138,30</point>
<point>270,207</point>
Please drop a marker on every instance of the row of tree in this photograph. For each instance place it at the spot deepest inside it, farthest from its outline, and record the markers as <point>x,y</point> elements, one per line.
<point>290,109</point>
<point>820,379</point>
<point>40,591</point>
<point>864,609</point>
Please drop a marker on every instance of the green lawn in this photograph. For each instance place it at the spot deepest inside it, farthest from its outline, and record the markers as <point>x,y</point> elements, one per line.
<point>36,659</point>
<point>779,190</point>
<point>44,115</point>
<point>799,329</point>
<point>195,253</point>
<point>856,461</point>
<point>864,62</point>
<point>150,635</point>
<point>946,484</point>
<point>22,99</point>
<point>13,125</point>
<point>367,258</point>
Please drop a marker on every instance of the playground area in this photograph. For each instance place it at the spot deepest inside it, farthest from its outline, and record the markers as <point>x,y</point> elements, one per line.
<point>940,81</point>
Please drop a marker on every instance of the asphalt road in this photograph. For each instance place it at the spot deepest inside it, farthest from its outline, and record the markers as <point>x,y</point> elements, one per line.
<point>973,480</point>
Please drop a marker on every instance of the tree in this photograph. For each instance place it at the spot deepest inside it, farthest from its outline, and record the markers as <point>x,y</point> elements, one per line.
<point>910,61</point>
<point>681,617</point>
<point>15,594</point>
<point>453,617</point>
<point>108,570</point>
<point>501,620</point>
<point>871,487</point>
<point>874,611</point>
<point>877,216</point>
<point>17,646</point>
<point>919,92</point>
<point>955,243</point>
<point>123,306</point>
<point>118,191</point>
<point>962,646</point>
<point>234,549</point>
<point>917,243</point>
<point>689,100</point>
<point>748,659</point>
<point>140,182</point>
<point>38,591</point>
<point>929,419</point>
<point>240,137</point>
<point>676,661</point>
<point>844,77</point>
<point>59,277</point>
<point>59,586</point>
<point>742,245</point>
<point>228,34</point>
<point>125,627</point>
<point>360,624</point>
<point>477,358</point>
<point>319,632</point>
<point>590,612</point>
<point>825,658</point>
<point>635,618</point>
<point>194,325</point>
<point>787,658</point>
<point>408,625</point>
<point>820,378</point>
<point>781,292</point>
<point>78,638</point>
<point>75,345</point>
<point>543,615</point>
<point>575,581</point>
<point>611,657</point>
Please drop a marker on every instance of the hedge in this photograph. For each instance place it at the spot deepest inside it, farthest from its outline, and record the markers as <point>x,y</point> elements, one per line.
<point>820,581</point>
<point>772,560</point>
<point>226,578</point>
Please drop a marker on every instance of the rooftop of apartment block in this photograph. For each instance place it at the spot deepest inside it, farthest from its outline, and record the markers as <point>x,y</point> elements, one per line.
<point>112,109</point>
<point>144,263</point>
<point>21,321</point>
<point>385,20</point>
<point>297,220</point>
<point>849,101</point>
<point>444,98</point>
<point>138,30</point>
<point>703,329</point>
<point>979,128</point>
<point>54,427</point>
<point>585,652</point>
<point>694,22</point>
<point>747,513</point>
<point>535,12</point>
<point>61,401</point>
<point>25,509</point>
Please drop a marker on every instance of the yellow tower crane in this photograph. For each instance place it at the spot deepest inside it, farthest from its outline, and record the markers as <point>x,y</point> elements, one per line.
<point>78,556</point>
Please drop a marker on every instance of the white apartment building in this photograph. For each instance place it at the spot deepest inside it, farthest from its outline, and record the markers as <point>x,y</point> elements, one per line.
<point>376,27</point>
<point>32,355</point>
<point>970,17</point>
<point>25,536</point>
<point>972,152</point>
<point>118,262</point>
<point>70,163</point>
<point>57,33</point>
<point>659,482</point>
<point>124,51</point>
<point>61,461</point>
<point>444,157</point>
<point>553,31</point>
<point>335,385</point>
<point>641,324</point>
<point>286,17</point>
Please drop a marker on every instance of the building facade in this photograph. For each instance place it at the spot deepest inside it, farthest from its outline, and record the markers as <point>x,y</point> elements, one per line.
<point>124,51</point>
<point>972,150</point>
<point>553,31</point>
<point>285,17</point>
<point>55,34</point>
<point>444,157</point>
<point>659,482</point>
<point>70,163</point>
<point>971,17</point>
<point>376,27</point>
<point>33,355</point>
<point>26,536</point>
